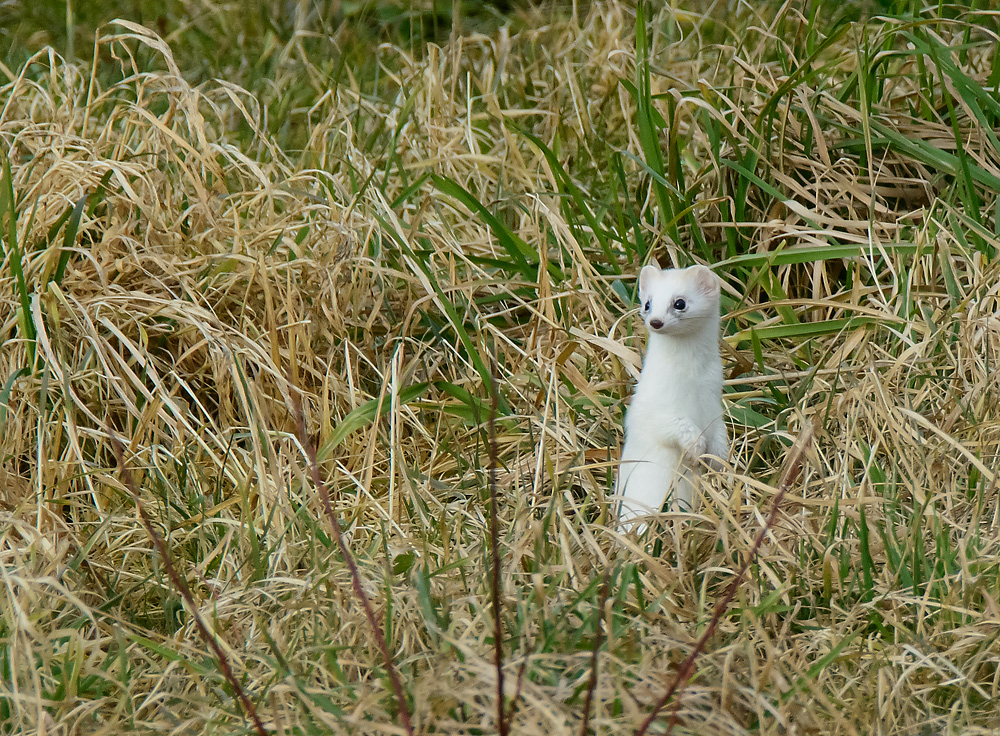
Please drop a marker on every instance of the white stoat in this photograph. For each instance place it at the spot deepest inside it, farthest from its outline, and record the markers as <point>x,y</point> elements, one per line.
<point>676,412</point>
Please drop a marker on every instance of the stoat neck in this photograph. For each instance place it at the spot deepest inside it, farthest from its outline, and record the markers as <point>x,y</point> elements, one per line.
<point>699,348</point>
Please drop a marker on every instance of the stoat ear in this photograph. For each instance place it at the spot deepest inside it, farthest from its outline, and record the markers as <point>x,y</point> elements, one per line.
<point>706,280</point>
<point>647,276</point>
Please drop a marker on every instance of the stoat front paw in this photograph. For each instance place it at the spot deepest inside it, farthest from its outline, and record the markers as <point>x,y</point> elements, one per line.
<point>697,448</point>
<point>693,442</point>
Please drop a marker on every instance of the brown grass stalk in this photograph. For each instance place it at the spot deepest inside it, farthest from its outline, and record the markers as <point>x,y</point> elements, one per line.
<point>687,667</point>
<point>182,587</point>
<point>599,638</point>
<point>359,591</point>
<point>518,684</point>
<point>502,721</point>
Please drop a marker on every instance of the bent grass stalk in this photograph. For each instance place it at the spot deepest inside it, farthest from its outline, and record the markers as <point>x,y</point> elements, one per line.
<point>181,585</point>
<point>502,715</point>
<point>687,667</point>
<point>599,638</point>
<point>359,591</point>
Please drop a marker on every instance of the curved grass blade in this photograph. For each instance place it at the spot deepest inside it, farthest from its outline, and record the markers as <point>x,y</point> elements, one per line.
<point>523,257</point>
<point>8,207</point>
<point>451,313</point>
<point>808,254</point>
<point>648,118</point>
<point>570,187</point>
<point>72,227</point>
<point>366,413</point>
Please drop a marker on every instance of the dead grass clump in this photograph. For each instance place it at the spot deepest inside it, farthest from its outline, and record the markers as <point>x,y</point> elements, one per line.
<point>178,269</point>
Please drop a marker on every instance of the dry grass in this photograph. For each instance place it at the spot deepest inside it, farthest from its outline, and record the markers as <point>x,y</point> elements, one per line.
<point>220,265</point>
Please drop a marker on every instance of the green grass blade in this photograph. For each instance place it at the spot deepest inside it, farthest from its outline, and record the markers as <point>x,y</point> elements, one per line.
<point>933,156</point>
<point>811,253</point>
<point>478,362</point>
<point>72,228</point>
<point>366,413</point>
<point>524,259</point>
<point>647,119</point>
<point>867,563</point>
<point>804,330</point>
<point>5,393</point>
<point>576,194</point>
<point>640,247</point>
<point>8,207</point>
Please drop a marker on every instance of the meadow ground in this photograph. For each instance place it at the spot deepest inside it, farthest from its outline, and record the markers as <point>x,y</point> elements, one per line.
<point>219,213</point>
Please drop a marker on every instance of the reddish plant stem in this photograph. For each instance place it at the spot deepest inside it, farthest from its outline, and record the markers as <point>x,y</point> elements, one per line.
<point>687,667</point>
<point>345,553</point>
<point>503,725</point>
<point>599,638</point>
<point>182,587</point>
<point>517,687</point>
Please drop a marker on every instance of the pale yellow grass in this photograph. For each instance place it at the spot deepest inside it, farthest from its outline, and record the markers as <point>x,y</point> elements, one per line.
<point>223,275</point>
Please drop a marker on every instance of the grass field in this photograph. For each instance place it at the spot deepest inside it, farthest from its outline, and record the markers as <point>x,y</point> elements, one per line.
<point>212,214</point>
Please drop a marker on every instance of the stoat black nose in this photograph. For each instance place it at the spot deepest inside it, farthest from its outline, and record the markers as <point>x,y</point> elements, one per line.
<point>656,323</point>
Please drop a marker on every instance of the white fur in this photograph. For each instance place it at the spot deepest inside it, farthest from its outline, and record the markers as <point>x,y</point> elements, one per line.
<point>676,412</point>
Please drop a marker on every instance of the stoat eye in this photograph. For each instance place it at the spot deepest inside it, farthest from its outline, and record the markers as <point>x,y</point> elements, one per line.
<point>680,305</point>
<point>648,305</point>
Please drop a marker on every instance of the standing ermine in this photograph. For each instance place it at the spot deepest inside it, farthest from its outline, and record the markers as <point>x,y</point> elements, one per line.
<point>676,412</point>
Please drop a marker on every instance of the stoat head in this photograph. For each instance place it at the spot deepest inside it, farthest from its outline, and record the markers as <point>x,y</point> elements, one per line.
<point>678,301</point>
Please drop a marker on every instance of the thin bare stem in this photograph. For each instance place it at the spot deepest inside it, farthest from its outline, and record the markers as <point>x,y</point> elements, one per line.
<point>182,587</point>
<point>598,642</point>
<point>345,553</point>
<point>687,667</point>
<point>517,686</point>
<point>503,724</point>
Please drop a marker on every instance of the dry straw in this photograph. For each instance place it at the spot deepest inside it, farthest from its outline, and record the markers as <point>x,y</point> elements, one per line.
<point>181,259</point>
